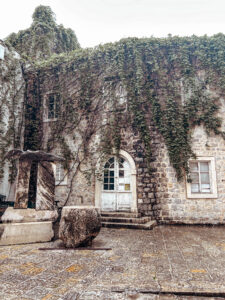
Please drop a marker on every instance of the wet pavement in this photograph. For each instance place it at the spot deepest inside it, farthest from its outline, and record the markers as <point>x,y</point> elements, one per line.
<point>168,262</point>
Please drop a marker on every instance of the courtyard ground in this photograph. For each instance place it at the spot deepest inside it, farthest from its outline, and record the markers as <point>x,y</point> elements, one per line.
<point>168,262</point>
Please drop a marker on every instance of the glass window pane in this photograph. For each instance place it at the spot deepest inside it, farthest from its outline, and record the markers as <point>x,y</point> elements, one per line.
<point>193,166</point>
<point>121,173</point>
<point>111,180</point>
<point>111,160</point>
<point>121,160</point>
<point>121,166</point>
<point>111,187</point>
<point>107,165</point>
<point>106,179</point>
<point>106,187</point>
<point>204,167</point>
<point>205,188</point>
<point>59,172</point>
<point>195,188</point>
<point>111,173</point>
<point>205,178</point>
<point>51,107</point>
<point>112,166</point>
<point>194,177</point>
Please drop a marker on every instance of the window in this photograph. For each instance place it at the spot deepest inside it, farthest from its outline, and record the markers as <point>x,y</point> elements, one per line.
<point>122,95</point>
<point>203,178</point>
<point>117,175</point>
<point>109,175</point>
<point>60,175</point>
<point>53,106</point>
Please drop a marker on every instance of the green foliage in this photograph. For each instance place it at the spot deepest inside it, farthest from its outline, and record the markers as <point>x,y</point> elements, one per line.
<point>11,109</point>
<point>43,14</point>
<point>44,37</point>
<point>168,83</point>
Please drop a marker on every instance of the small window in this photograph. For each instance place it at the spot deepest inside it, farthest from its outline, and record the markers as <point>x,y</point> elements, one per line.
<point>60,175</point>
<point>203,178</point>
<point>53,106</point>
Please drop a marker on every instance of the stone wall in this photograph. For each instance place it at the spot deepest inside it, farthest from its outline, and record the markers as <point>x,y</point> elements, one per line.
<point>159,194</point>
<point>82,173</point>
<point>12,88</point>
<point>84,190</point>
<point>176,207</point>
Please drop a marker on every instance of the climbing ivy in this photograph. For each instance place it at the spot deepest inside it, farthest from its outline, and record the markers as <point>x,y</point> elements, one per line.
<point>11,108</point>
<point>169,84</point>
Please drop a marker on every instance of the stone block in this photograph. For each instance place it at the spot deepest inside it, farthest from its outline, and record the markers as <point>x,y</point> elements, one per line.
<point>12,215</point>
<point>139,159</point>
<point>22,184</point>
<point>45,186</point>
<point>25,233</point>
<point>151,195</point>
<point>79,225</point>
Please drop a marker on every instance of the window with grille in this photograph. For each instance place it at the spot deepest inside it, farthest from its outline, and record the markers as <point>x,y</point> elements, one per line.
<point>117,175</point>
<point>109,175</point>
<point>53,106</point>
<point>200,178</point>
<point>203,178</point>
<point>60,175</point>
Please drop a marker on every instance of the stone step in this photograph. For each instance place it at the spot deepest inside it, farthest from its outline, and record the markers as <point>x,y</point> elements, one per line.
<point>147,226</point>
<point>141,220</point>
<point>120,214</point>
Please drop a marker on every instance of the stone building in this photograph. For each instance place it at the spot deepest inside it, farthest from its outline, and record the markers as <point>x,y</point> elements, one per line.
<point>140,124</point>
<point>12,88</point>
<point>85,113</point>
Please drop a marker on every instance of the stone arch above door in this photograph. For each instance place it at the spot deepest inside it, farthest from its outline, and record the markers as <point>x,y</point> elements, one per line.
<point>99,183</point>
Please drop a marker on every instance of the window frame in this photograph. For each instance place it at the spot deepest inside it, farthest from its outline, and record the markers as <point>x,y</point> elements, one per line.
<point>212,180</point>
<point>60,182</point>
<point>117,168</point>
<point>55,105</point>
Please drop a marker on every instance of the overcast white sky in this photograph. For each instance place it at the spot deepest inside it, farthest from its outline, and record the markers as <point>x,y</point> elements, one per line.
<point>101,21</point>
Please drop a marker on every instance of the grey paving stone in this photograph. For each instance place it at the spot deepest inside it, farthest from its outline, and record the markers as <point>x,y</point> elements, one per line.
<point>141,264</point>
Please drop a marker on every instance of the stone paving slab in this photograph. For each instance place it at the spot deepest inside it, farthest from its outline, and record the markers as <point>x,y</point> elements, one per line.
<point>168,262</point>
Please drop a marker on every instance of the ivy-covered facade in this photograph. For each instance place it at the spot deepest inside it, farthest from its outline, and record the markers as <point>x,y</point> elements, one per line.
<point>139,122</point>
<point>12,88</point>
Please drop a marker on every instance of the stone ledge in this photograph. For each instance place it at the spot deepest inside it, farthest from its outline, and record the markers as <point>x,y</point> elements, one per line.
<point>25,233</point>
<point>12,215</point>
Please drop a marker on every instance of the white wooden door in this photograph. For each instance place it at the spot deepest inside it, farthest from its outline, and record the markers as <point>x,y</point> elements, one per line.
<point>116,188</point>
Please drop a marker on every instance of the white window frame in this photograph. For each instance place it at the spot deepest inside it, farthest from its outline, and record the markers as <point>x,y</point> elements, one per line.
<point>63,177</point>
<point>46,107</point>
<point>212,178</point>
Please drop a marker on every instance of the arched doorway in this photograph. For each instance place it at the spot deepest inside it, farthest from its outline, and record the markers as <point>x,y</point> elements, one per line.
<point>117,190</point>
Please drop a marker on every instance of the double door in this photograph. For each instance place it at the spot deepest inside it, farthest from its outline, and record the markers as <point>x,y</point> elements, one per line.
<point>116,188</point>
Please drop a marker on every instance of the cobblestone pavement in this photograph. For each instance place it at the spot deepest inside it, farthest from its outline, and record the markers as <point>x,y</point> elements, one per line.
<point>168,262</point>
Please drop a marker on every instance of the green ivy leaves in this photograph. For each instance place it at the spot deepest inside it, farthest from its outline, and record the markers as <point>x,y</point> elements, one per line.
<point>168,82</point>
